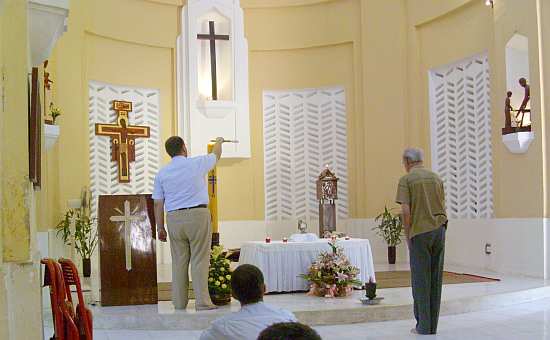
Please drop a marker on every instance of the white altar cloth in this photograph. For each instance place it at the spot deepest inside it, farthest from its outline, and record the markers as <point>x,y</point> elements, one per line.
<point>282,263</point>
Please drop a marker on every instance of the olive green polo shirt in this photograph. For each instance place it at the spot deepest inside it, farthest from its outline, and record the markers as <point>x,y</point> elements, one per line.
<point>423,191</point>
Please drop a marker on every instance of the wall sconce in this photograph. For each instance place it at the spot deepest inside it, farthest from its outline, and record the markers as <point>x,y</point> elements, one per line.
<point>490,3</point>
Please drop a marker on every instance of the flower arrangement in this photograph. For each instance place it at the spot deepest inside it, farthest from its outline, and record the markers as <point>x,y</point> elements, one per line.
<point>332,275</point>
<point>219,276</point>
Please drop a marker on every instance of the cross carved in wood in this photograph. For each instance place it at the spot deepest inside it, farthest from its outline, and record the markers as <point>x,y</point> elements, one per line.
<point>123,138</point>
<point>212,37</point>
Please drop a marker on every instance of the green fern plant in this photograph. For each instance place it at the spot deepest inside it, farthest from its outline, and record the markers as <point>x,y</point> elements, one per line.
<point>390,227</point>
<point>85,238</point>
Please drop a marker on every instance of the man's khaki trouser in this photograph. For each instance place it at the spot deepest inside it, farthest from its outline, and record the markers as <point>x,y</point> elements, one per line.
<point>190,234</point>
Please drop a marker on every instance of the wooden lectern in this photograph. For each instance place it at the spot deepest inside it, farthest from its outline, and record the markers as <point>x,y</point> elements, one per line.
<point>128,268</point>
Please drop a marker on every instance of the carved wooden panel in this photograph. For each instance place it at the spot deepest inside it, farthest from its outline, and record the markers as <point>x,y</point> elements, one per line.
<point>35,130</point>
<point>120,286</point>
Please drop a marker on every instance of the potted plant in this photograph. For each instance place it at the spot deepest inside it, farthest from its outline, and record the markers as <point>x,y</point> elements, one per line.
<point>332,275</point>
<point>219,277</point>
<point>54,112</point>
<point>390,228</point>
<point>84,236</point>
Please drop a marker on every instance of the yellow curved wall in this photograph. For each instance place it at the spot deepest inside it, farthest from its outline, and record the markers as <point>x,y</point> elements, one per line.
<point>380,51</point>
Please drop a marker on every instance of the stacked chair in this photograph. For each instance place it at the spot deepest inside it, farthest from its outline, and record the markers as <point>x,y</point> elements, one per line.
<point>68,325</point>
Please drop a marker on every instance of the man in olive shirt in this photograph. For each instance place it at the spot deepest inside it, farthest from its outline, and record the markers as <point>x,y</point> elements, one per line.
<point>422,200</point>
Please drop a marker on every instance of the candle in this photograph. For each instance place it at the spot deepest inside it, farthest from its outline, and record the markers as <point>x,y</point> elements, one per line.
<point>347,237</point>
<point>268,239</point>
<point>285,240</point>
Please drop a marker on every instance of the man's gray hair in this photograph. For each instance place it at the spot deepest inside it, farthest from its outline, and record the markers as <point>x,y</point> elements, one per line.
<point>414,155</point>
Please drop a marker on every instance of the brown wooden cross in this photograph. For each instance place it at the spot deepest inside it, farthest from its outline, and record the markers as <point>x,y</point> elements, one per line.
<point>212,36</point>
<point>123,138</point>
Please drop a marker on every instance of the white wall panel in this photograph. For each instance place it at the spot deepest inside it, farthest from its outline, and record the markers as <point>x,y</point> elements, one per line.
<point>303,131</point>
<point>461,136</point>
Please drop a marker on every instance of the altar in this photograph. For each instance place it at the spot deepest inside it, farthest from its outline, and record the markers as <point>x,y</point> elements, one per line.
<point>283,263</point>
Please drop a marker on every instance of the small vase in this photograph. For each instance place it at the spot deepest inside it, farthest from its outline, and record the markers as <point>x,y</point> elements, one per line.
<point>391,254</point>
<point>220,299</point>
<point>86,267</point>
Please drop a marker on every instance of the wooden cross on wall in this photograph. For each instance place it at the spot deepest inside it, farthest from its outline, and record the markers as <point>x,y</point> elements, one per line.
<point>212,37</point>
<point>123,138</point>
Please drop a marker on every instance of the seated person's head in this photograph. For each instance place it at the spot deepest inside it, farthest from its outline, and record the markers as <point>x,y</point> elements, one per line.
<point>247,284</point>
<point>289,331</point>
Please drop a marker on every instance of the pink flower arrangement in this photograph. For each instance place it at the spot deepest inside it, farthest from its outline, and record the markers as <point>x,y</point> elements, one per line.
<point>332,275</point>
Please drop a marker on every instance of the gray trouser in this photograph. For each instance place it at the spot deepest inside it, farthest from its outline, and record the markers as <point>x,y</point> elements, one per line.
<point>190,234</point>
<point>427,252</point>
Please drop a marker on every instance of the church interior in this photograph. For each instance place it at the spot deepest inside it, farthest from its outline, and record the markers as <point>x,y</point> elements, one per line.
<point>316,100</point>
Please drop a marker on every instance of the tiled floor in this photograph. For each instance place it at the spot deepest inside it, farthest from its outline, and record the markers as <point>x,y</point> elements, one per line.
<point>523,321</point>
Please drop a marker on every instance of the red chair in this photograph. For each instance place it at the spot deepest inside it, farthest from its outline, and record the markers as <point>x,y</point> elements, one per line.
<point>62,310</point>
<point>84,319</point>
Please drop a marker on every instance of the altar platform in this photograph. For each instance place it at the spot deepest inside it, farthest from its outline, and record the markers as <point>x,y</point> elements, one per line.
<point>397,304</point>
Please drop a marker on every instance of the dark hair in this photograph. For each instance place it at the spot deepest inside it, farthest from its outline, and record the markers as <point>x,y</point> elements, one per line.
<point>247,284</point>
<point>289,331</point>
<point>174,145</point>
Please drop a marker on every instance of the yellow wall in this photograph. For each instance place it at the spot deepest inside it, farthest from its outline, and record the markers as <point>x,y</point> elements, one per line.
<point>326,43</point>
<point>124,42</point>
<point>20,308</point>
<point>380,51</point>
<point>476,28</point>
<point>13,144</point>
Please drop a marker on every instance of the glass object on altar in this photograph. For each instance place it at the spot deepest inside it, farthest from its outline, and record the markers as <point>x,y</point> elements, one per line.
<point>303,237</point>
<point>327,194</point>
<point>302,226</point>
<point>214,57</point>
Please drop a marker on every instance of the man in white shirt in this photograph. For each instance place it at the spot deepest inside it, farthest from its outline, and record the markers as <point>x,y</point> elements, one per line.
<point>247,286</point>
<point>181,189</point>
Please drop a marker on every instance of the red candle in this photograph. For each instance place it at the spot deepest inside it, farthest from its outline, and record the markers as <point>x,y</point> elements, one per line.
<point>285,240</point>
<point>347,237</point>
<point>268,239</point>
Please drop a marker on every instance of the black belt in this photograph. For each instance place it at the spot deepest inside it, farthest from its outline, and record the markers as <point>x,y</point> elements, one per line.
<point>195,207</point>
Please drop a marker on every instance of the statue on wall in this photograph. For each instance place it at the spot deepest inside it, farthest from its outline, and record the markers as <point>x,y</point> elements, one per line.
<point>508,111</point>
<point>527,95</point>
<point>520,112</point>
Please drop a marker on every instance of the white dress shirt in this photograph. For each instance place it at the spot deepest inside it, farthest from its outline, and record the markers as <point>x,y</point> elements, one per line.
<point>247,323</point>
<point>182,182</point>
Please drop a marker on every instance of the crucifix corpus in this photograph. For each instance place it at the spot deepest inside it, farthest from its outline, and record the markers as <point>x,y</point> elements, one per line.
<point>127,217</point>
<point>212,37</point>
<point>123,138</point>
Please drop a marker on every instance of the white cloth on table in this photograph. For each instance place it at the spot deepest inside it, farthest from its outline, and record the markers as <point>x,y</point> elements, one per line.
<point>283,263</point>
<point>307,237</point>
<point>247,323</point>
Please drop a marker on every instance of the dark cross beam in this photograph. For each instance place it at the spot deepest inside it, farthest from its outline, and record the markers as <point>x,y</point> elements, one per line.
<point>212,37</point>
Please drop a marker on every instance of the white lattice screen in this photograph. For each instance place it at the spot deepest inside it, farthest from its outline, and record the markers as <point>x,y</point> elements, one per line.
<point>303,131</point>
<point>461,136</point>
<point>103,171</point>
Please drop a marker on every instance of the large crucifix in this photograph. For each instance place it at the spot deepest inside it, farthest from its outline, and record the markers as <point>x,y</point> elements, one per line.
<point>127,217</point>
<point>123,138</point>
<point>212,37</point>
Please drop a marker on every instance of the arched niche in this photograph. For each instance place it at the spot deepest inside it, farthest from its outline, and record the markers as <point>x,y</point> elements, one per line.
<point>517,66</point>
<point>518,136</point>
